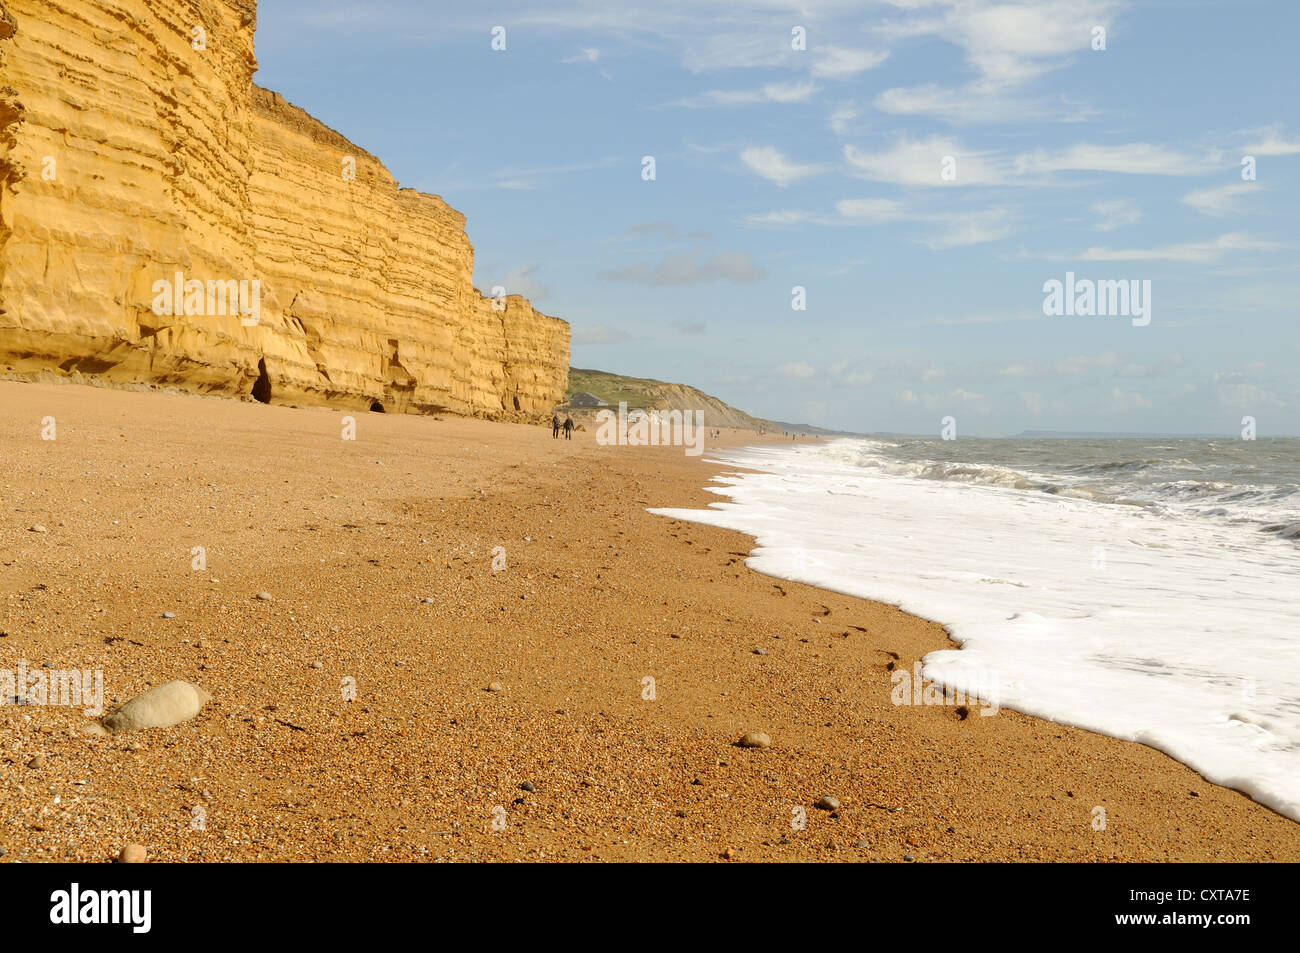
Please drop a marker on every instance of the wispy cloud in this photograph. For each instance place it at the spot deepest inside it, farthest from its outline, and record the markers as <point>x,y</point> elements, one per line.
<point>1189,252</point>
<point>784,93</point>
<point>527,178</point>
<point>796,370</point>
<point>683,269</point>
<point>1136,158</point>
<point>773,165</point>
<point>835,62</point>
<point>922,162</point>
<point>842,117</point>
<point>973,228</point>
<point>1217,201</point>
<point>1115,213</point>
<point>1269,141</point>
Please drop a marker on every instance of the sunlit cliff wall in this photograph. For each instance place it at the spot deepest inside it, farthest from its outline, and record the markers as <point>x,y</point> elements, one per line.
<point>134,146</point>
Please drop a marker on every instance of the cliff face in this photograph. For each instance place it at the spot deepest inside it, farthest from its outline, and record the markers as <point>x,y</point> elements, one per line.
<point>164,220</point>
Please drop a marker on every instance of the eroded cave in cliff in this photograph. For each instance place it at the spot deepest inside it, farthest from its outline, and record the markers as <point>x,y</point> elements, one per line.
<point>262,386</point>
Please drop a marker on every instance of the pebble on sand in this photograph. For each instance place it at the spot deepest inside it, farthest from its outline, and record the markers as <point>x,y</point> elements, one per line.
<point>527,786</point>
<point>169,615</point>
<point>168,704</point>
<point>38,528</point>
<point>317,664</point>
<point>828,803</point>
<point>755,739</point>
<point>263,596</point>
<point>133,854</point>
<point>495,687</point>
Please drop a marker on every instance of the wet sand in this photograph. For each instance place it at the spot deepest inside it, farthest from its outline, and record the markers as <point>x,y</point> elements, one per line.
<point>596,596</point>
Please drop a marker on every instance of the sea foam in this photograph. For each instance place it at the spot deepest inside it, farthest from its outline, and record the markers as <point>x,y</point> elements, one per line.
<point>1139,622</point>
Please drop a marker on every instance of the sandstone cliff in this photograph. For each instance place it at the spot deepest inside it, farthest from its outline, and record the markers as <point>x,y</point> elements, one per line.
<point>136,154</point>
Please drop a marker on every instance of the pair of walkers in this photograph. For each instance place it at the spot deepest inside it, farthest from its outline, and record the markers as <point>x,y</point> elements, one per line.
<point>568,427</point>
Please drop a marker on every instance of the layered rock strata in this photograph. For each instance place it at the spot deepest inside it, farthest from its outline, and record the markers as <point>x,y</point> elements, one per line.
<point>164,220</point>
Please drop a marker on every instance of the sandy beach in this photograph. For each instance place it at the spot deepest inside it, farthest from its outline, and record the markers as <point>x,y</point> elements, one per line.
<point>377,555</point>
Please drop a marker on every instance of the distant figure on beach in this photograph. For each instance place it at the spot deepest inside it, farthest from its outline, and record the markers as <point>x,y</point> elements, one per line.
<point>568,428</point>
<point>555,428</point>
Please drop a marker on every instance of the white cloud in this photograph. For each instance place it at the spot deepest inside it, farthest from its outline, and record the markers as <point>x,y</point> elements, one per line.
<point>1196,252</point>
<point>784,93</point>
<point>527,178</point>
<point>841,118</point>
<point>683,269</point>
<point>1137,158</point>
<point>972,228</point>
<point>1113,214</point>
<point>773,165</point>
<point>796,370</point>
<point>1217,201</point>
<point>587,55</point>
<point>977,102</point>
<point>835,62</point>
<point>1269,141</point>
<point>847,212</point>
<point>1011,43</point>
<point>725,50</point>
<point>870,210</point>
<point>920,162</point>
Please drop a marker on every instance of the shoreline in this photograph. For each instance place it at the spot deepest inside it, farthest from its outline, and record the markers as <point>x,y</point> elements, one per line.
<point>597,595</point>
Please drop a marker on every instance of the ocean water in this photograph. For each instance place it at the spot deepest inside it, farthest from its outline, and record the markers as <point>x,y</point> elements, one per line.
<point>1145,588</point>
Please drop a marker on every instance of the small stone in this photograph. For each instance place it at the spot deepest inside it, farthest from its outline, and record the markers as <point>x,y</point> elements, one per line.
<point>3,851</point>
<point>36,763</point>
<point>729,853</point>
<point>169,615</point>
<point>317,665</point>
<point>527,786</point>
<point>759,651</point>
<point>427,600</point>
<point>755,739</point>
<point>168,704</point>
<point>263,596</point>
<point>133,854</point>
<point>38,528</point>
<point>827,803</point>
<point>495,687</point>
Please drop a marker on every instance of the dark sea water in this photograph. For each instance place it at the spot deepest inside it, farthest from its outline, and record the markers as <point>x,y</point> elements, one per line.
<point>1244,481</point>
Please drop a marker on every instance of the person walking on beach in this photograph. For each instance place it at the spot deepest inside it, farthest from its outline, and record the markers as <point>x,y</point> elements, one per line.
<point>568,428</point>
<point>555,428</point>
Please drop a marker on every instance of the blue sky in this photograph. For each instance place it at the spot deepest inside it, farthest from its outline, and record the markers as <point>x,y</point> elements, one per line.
<point>823,168</point>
